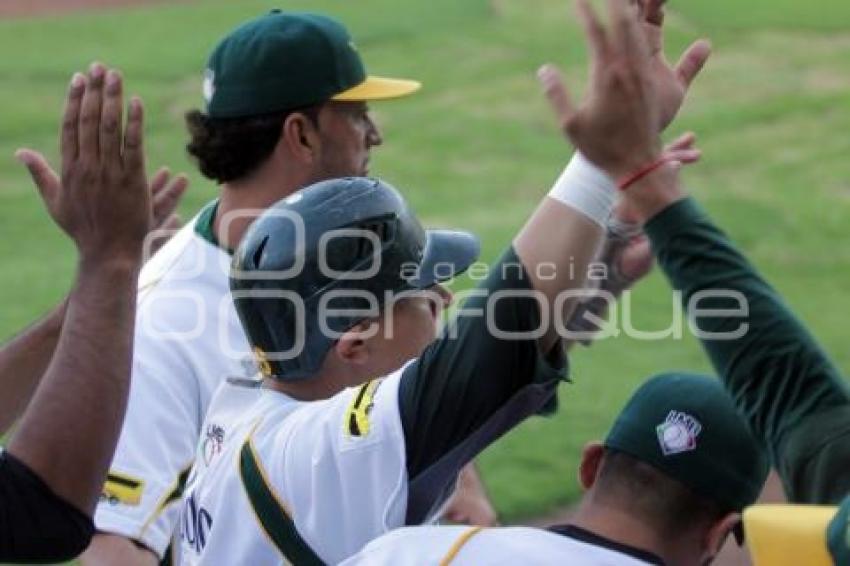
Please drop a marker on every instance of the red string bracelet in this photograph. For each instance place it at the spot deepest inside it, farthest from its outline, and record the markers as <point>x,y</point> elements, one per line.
<point>643,172</point>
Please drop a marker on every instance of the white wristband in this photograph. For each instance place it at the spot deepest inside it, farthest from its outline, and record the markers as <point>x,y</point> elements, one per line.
<point>586,188</point>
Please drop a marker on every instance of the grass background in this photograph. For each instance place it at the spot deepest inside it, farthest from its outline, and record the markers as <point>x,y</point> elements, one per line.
<point>478,148</point>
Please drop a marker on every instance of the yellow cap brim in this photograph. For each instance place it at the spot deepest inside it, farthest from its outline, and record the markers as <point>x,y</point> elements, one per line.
<point>788,535</point>
<point>378,88</point>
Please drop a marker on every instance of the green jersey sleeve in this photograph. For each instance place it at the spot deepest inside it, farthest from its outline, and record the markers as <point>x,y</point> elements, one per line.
<point>483,376</point>
<point>781,380</point>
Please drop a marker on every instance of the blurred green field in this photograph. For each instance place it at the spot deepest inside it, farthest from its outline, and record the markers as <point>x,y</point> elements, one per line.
<point>477,149</point>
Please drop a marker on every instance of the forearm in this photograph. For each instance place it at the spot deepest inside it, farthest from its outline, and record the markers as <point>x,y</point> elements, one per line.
<point>774,369</point>
<point>75,417</point>
<point>562,237</point>
<point>107,549</point>
<point>23,362</point>
<point>556,247</point>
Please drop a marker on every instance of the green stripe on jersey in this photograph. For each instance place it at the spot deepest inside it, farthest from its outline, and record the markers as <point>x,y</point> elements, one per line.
<point>274,519</point>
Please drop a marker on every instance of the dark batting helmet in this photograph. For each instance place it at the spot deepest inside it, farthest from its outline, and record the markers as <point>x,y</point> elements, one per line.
<point>325,258</point>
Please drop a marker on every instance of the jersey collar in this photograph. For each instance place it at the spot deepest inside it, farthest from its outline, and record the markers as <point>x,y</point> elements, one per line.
<point>589,537</point>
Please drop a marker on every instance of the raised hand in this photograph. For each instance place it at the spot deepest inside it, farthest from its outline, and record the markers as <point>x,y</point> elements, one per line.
<point>101,200</point>
<point>166,191</point>
<point>617,127</point>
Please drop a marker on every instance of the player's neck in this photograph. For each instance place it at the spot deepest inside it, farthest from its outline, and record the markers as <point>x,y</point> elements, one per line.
<point>621,527</point>
<point>312,389</point>
<point>240,202</point>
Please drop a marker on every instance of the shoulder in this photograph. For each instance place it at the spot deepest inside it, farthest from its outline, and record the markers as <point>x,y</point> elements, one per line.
<point>351,431</point>
<point>184,302</point>
<point>186,261</point>
<point>409,546</point>
<point>358,416</point>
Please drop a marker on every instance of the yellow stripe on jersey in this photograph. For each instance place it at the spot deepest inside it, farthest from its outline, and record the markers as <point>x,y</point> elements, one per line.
<point>357,416</point>
<point>173,494</point>
<point>462,540</point>
<point>121,488</point>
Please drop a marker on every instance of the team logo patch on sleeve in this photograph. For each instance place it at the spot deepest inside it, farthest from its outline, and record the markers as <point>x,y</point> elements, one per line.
<point>357,416</point>
<point>121,488</point>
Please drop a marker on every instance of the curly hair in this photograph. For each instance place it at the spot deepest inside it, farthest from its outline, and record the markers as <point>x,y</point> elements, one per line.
<point>228,149</point>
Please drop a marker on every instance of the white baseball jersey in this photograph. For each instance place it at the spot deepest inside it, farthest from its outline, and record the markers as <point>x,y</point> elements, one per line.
<point>312,482</point>
<point>326,474</point>
<point>187,340</point>
<point>465,546</point>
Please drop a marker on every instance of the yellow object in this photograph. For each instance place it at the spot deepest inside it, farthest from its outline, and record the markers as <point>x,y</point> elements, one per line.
<point>263,362</point>
<point>788,535</point>
<point>120,488</point>
<point>462,540</point>
<point>378,88</point>
<point>357,415</point>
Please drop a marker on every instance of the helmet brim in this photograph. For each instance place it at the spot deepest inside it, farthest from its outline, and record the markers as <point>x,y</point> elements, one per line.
<point>447,254</point>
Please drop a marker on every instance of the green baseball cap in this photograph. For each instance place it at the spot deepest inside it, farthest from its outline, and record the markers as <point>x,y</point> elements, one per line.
<point>287,60</point>
<point>786,535</point>
<point>686,426</point>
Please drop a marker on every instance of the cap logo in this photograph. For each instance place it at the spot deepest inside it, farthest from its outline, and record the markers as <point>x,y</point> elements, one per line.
<point>209,85</point>
<point>678,433</point>
<point>352,46</point>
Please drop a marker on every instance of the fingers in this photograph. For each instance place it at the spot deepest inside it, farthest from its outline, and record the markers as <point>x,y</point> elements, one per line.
<point>166,199</point>
<point>685,156</point>
<point>597,39</point>
<point>111,117</point>
<point>653,12</point>
<point>69,136</point>
<point>692,61</point>
<point>559,98</point>
<point>171,224</point>
<point>160,179</point>
<point>46,180</point>
<point>90,112</point>
<point>627,30</point>
<point>682,150</point>
<point>134,159</point>
<point>685,141</point>
<point>637,258</point>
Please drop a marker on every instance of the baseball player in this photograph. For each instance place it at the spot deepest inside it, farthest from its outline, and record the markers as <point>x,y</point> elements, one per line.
<point>54,464</point>
<point>350,437</point>
<point>286,105</point>
<point>347,439</point>
<point>666,487</point>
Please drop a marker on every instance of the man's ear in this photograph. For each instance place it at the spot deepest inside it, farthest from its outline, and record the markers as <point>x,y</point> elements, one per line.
<point>301,137</point>
<point>716,536</point>
<point>591,458</point>
<point>353,346</point>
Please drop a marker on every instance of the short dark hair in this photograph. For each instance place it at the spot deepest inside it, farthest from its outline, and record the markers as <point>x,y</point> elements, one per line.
<point>228,149</point>
<point>664,503</point>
